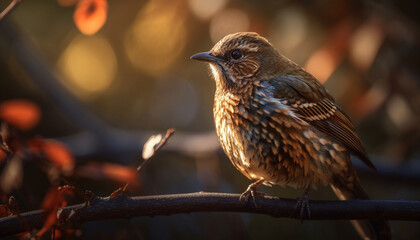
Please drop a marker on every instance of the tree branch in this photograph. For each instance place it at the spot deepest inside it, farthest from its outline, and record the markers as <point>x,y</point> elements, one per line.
<point>9,8</point>
<point>127,207</point>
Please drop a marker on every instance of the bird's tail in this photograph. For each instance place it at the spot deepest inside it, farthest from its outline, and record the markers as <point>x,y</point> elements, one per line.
<point>350,188</point>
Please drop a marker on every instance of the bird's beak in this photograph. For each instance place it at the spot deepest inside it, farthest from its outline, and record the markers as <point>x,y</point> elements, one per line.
<point>205,57</point>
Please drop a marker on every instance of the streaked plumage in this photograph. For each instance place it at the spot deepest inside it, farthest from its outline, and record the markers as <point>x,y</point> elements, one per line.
<point>279,125</point>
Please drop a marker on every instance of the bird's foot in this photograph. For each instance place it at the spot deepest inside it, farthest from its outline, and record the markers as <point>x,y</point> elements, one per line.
<point>302,204</point>
<point>252,191</point>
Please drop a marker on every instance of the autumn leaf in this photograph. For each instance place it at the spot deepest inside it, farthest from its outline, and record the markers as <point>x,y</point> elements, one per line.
<point>90,15</point>
<point>58,154</point>
<point>55,152</point>
<point>20,113</point>
<point>101,171</point>
<point>54,199</point>
<point>67,233</point>
<point>2,156</point>
<point>4,132</point>
<point>154,143</point>
<point>149,146</point>
<point>4,211</point>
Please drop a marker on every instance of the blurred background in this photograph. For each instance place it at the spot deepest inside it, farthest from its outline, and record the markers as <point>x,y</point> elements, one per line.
<point>94,79</point>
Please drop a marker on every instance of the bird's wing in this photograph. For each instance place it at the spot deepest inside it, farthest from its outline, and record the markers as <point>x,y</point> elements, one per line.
<point>313,104</point>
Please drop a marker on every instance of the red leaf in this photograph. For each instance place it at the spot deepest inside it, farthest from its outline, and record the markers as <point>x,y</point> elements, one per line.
<point>19,113</point>
<point>58,154</point>
<point>67,233</point>
<point>4,211</point>
<point>111,171</point>
<point>2,156</point>
<point>53,200</point>
<point>55,152</point>
<point>90,15</point>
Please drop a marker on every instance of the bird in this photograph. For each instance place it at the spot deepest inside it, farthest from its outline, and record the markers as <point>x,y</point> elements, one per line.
<point>279,125</point>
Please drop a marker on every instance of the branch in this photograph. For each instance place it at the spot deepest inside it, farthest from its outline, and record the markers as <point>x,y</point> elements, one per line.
<point>127,207</point>
<point>9,8</point>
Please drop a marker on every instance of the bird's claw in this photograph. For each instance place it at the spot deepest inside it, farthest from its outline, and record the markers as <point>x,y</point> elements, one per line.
<point>252,191</point>
<point>302,204</point>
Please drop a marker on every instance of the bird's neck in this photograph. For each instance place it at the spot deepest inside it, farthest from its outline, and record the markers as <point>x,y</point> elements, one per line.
<point>239,95</point>
<point>227,102</point>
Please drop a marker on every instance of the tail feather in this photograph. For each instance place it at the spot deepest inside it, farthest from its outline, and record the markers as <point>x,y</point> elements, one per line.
<point>368,229</point>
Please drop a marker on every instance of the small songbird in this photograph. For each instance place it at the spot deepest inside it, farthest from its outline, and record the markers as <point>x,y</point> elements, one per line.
<point>279,126</point>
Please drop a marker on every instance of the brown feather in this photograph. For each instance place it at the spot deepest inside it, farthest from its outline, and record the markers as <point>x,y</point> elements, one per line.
<point>318,108</point>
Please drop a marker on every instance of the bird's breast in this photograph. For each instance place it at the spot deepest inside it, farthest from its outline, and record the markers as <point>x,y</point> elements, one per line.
<point>264,139</point>
<point>241,131</point>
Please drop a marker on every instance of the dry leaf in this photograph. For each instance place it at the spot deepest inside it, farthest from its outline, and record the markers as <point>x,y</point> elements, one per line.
<point>19,113</point>
<point>55,198</point>
<point>4,211</point>
<point>2,156</point>
<point>90,15</point>
<point>58,153</point>
<point>150,146</point>
<point>55,152</point>
<point>111,171</point>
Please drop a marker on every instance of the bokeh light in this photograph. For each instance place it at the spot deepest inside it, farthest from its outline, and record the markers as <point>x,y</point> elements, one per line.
<point>89,64</point>
<point>157,36</point>
<point>365,44</point>
<point>288,29</point>
<point>399,112</point>
<point>205,9</point>
<point>321,64</point>
<point>228,21</point>
<point>369,101</point>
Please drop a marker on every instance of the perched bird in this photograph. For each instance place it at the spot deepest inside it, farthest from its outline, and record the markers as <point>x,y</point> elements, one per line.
<point>279,126</point>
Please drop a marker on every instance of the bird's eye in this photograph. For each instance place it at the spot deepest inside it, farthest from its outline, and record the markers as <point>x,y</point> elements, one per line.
<point>236,54</point>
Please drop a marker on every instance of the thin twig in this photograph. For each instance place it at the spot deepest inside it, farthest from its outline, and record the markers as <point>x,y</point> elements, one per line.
<point>156,148</point>
<point>9,8</point>
<point>126,207</point>
<point>168,134</point>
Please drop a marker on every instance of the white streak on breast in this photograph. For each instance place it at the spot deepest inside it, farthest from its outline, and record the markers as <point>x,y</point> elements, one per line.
<point>228,138</point>
<point>244,159</point>
<point>215,72</point>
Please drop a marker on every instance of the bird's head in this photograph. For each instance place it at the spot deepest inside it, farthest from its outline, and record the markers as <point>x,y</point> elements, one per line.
<point>242,57</point>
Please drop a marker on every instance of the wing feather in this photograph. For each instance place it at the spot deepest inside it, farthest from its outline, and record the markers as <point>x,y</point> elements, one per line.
<point>314,105</point>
